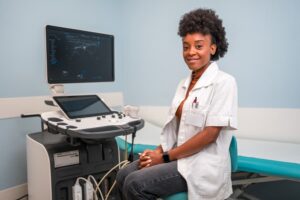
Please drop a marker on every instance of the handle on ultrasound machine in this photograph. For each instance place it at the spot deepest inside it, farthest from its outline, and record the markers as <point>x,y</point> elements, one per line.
<point>34,115</point>
<point>97,133</point>
<point>137,124</point>
<point>105,132</point>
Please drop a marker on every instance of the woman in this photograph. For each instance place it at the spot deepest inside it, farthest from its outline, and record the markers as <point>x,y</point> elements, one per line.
<point>194,151</point>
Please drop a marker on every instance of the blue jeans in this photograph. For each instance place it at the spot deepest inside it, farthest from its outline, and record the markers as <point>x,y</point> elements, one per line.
<point>149,183</point>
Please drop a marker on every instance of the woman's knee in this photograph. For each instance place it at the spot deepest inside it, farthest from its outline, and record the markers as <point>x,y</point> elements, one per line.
<point>133,184</point>
<point>123,173</point>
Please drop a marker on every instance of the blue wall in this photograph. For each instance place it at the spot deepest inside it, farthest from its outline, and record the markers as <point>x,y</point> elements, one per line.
<point>13,150</point>
<point>263,55</point>
<point>23,63</point>
<point>263,51</point>
<point>22,37</point>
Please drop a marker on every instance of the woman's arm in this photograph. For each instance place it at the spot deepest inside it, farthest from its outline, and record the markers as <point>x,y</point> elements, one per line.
<point>159,149</point>
<point>190,147</point>
<point>196,143</point>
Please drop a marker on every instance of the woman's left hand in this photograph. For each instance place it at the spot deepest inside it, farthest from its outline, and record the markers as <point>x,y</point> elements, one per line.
<point>153,158</point>
<point>156,158</point>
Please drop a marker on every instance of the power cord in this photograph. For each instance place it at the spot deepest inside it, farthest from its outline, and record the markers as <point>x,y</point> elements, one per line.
<point>113,185</point>
<point>91,187</point>
<point>132,145</point>
<point>90,177</point>
<point>97,185</point>
<point>77,189</point>
<point>126,148</point>
<point>91,182</point>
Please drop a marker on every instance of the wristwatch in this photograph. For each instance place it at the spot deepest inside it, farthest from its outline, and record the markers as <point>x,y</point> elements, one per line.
<point>166,157</point>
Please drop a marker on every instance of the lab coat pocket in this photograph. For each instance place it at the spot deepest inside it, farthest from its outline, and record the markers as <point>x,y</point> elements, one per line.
<point>196,117</point>
<point>210,177</point>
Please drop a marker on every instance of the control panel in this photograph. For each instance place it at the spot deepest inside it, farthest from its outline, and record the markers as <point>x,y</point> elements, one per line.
<point>96,127</point>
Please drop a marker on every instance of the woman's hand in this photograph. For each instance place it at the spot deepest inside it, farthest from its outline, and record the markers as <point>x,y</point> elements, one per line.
<point>155,157</point>
<point>149,158</point>
<point>145,160</point>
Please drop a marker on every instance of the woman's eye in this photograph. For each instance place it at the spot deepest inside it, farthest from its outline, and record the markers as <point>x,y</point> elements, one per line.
<point>198,46</point>
<point>185,48</point>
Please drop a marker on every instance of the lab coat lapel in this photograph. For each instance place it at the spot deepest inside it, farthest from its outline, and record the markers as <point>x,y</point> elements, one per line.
<point>187,82</point>
<point>208,76</point>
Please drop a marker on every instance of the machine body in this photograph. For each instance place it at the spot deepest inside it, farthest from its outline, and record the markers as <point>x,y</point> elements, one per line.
<point>54,165</point>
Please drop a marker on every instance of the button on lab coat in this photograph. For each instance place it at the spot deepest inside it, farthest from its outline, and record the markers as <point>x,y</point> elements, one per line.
<point>212,102</point>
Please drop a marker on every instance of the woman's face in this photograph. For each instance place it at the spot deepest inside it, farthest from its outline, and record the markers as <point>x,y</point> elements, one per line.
<point>197,50</point>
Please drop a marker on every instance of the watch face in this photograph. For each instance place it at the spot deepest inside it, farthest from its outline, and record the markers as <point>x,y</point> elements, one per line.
<point>166,157</point>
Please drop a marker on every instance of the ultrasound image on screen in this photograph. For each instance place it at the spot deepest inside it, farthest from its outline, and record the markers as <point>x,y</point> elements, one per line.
<point>75,56</point>
<point>82,106</point>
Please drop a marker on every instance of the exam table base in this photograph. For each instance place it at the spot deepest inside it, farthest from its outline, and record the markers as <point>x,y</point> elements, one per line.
<point>242,180</point>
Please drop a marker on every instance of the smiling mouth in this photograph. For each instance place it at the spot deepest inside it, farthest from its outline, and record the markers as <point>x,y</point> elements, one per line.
<point>193,60</point>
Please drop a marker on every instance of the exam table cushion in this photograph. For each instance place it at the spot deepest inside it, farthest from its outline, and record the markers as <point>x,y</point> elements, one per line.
<point>269,167</point>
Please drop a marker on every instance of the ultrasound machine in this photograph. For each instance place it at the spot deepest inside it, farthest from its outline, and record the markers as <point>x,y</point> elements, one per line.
<point>76,151</point>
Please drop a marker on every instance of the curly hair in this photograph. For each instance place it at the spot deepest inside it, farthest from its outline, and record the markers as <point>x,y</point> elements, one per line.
<point>205,21</point>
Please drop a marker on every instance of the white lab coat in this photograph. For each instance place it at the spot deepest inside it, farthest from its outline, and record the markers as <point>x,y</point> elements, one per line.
<point>208,172</point>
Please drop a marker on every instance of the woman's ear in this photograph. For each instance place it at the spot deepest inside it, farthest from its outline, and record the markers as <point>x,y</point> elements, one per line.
<point>213,49</point>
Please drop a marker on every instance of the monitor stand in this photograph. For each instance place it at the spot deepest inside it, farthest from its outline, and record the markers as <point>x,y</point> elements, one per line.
<point>57,89</point>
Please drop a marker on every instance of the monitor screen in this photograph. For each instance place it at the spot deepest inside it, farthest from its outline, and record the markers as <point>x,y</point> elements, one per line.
<point>76,56</point>
<point>82,106</point>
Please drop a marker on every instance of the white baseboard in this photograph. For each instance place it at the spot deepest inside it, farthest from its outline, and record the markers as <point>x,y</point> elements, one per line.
<point>14,193</point>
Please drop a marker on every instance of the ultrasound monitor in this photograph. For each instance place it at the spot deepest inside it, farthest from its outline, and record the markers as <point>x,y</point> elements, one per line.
<point>76,56</point>
<point>82,106</point>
